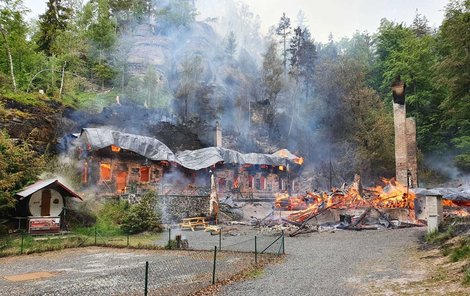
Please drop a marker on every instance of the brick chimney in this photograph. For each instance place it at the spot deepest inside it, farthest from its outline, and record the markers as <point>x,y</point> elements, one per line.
<point>217,135</point>
<point>405,138</point>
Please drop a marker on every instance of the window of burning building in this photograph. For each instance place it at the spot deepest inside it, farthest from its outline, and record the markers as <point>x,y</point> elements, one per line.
<point>105,171</point>
<point>250,181</point>
<point>282,184</point>
<point>258,183</point>
<point>144,174</point>
<point>263,183</point>
<point>222,184</point>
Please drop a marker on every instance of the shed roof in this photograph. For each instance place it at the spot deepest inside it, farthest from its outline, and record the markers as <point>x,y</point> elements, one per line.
<point>41,184</point>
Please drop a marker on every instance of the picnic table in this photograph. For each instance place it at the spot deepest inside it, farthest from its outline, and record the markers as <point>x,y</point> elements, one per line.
<point>193,222</point>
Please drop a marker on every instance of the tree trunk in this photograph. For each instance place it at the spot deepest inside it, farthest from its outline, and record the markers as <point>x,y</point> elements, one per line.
<point>10,59</point>
<point>62,80</point>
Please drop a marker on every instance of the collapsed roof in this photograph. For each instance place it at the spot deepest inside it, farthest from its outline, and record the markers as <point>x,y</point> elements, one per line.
<point>455,194</point>
<point>154,149</point>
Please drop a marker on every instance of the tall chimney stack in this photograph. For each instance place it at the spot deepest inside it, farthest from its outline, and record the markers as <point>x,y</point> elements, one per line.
<point>218,135</point>
<point>406,165</point>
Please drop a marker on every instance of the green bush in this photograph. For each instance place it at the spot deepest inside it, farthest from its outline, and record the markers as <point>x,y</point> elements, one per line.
<point>142,216</point>
<point>110,217</point>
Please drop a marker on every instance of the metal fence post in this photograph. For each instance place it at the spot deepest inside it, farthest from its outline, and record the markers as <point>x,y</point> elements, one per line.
<point>220,238</point>
<point>95,235</point>
<point>213,267</point>
<point>22,242</point>
<point>169,238</point>
<point>283,246</point>
<point>146,278</point>
<point>256,252</point>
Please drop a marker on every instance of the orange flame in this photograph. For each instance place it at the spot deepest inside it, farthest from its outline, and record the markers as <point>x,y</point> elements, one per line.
<point>115,148</point>
<point>391,195</point>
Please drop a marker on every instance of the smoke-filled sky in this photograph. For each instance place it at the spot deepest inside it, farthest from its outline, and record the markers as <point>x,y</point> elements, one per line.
<point>340,17</point>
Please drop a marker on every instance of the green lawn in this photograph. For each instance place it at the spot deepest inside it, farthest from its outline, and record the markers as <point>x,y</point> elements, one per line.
<point>16,244</point>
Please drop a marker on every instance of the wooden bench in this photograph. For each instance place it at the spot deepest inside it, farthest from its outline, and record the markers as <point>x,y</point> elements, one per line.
<point>192,223</point>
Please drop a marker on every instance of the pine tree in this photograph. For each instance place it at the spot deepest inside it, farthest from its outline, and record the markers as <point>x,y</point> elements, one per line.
<point>231,46</point>
<point>53,21</point>
<point>283,30</point>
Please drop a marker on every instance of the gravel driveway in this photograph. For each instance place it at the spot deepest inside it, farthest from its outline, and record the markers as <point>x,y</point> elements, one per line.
<point>332,263</point>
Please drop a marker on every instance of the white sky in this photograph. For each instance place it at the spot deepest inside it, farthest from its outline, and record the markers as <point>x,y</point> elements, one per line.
<point>340,17</point>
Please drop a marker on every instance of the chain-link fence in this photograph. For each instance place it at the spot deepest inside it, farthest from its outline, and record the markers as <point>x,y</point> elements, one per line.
<point>103,271</point>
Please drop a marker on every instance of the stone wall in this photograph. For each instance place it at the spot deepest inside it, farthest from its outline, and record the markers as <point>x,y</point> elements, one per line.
<point>176,207</point>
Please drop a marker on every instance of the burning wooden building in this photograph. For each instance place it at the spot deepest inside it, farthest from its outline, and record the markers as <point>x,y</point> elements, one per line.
<point>122,163</point>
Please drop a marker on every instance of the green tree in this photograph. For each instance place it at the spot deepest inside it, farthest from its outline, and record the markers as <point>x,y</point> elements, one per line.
<point>174,14</point>
<point>454,73</point>
<point>272,73</point>
<point>51,23</point>
<point>19,166</point>
<point>142,216</point>
<point>283,30</point>
<point>190,76</point>
<point>231,44</point>
<point>17,56</point>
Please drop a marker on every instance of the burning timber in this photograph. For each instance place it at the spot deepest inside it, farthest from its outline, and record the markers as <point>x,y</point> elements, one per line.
<point>391,205</point>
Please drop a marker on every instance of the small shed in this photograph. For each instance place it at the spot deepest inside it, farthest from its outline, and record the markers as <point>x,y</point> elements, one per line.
<point>41,205</point>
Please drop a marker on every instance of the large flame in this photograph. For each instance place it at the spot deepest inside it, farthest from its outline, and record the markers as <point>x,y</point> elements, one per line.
<point>391,194</point>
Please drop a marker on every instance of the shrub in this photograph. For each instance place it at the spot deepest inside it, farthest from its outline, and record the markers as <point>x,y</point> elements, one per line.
<point>142,216</point>
<point>110,217</point>
<point>437,237</point>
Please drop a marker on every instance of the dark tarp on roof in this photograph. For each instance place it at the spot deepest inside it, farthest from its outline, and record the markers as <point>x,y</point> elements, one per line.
<point>148,147</point>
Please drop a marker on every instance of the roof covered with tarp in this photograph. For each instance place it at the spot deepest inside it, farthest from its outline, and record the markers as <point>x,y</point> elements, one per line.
<point>41,184</point>
<point>206,157</point>
<point>154,149</point>
<point>148,147</point>
<point>455,194</point>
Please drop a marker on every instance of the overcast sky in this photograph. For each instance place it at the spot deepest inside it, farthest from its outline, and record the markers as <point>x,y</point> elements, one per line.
<point>340,17</point>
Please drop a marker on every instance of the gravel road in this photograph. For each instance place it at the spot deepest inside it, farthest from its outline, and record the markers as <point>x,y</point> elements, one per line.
<point>337,263</point>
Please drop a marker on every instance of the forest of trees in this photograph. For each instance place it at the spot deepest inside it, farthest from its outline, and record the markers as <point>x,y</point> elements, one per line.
<point>330,102</point>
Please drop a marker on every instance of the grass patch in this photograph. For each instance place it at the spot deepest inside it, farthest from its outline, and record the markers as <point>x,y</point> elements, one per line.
<point>462,251</point>
<point>90,101</point>
<point>438,237</point>
<point>466,277</point>
<point>12,245</point>
<point>28,99</point>
<point>255,273</point>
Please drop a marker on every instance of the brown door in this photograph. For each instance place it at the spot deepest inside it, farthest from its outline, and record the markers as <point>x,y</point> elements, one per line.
<point>121,182</point>
<point>46,203</point>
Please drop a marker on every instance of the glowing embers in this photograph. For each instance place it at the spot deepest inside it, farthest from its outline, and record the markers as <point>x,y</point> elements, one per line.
<point>115,148</point>
<point>105,171</point>
<point>299,160</point>
<point>391,195</point>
